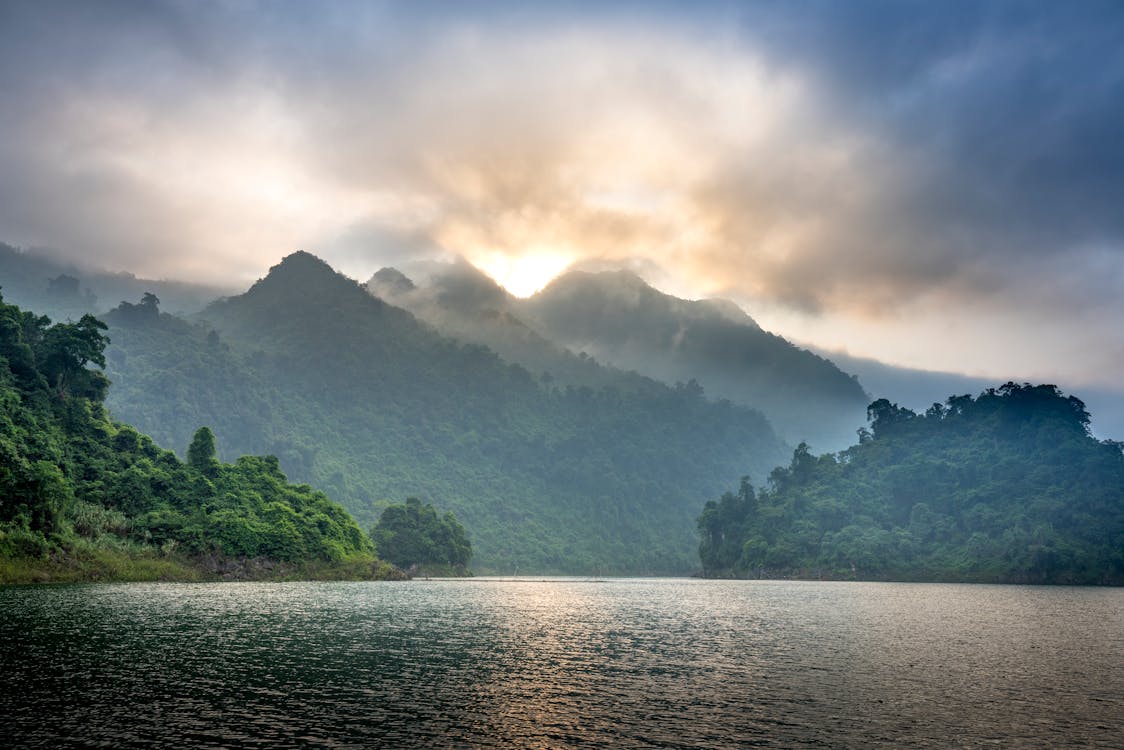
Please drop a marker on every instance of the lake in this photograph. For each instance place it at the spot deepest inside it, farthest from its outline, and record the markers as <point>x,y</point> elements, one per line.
<point>632,663</point>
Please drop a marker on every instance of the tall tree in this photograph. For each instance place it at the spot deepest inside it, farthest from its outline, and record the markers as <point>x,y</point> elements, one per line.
<point>201,453</point>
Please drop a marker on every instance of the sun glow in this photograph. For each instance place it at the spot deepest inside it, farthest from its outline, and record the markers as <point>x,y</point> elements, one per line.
<point>526,274</point>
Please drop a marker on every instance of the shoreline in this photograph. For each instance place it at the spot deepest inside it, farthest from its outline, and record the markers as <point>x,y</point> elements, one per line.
<point>121,566</point>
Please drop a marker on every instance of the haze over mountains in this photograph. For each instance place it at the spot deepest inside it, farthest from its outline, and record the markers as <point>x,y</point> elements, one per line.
<point>571,431</point>
<point>36,281</point>
<point>463,302</point>
<point>618,319</point>
<point>368,403</point>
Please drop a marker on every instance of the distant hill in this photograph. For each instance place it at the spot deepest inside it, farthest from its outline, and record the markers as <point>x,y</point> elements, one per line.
<point>620,319</point>
<point>62,291</point>
<point>362,399</point>
<point>1007,486</point>
<point>613,328</point>
<point>462,302</point>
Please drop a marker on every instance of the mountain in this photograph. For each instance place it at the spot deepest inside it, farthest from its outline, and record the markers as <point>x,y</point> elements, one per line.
<point>461,301</point>
<point>635,333</point>
<point>1008,486</point>
<point>362,399</point>
<point>170,376</point>
<point>60,290</point>
<point>620,319</point>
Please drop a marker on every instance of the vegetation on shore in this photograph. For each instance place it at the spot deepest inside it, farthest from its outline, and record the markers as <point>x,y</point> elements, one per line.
<point>415,538</point>
<point>1006,487</point>
<point>78,561</point>
<point>86,498</point>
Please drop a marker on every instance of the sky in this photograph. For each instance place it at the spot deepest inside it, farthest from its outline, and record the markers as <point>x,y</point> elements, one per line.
<point>935,185</point>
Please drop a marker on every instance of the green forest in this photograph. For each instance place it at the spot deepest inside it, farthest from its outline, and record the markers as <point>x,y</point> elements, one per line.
<point>1008,486</point>
<point>364,401</point>
<point>83,497</point>
<point>581,322</point>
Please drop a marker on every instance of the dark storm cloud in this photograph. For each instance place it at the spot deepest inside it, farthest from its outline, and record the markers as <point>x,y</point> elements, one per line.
<point>1000,123</point>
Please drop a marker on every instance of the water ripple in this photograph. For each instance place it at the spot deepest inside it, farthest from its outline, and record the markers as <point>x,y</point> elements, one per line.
<point>563,663</point>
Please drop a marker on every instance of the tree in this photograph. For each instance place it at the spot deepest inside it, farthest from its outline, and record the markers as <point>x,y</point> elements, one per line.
<point>885,417</point>
<point>721,525</point>
<point>68,473</point>
<point>201,453</point>
<point>413,535</point>
<point>66,351</point>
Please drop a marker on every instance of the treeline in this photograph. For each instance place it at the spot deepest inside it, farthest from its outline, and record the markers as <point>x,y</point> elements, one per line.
<point>1007,486</point>
<point>77,489</point>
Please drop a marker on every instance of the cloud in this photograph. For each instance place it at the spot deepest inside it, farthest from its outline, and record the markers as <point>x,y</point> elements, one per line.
<point>829,165</point>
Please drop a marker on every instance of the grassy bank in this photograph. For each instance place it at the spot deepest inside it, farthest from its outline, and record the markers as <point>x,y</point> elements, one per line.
<point>89,563</point>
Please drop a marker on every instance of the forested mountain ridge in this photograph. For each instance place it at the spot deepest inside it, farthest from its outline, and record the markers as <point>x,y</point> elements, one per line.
<point>623,321</point>
<point>171,375</point>
<point>917,389</point>
<point>374,406</point>
<point>84,497</point>
<point>1008,486</point>
<point>635,332</point>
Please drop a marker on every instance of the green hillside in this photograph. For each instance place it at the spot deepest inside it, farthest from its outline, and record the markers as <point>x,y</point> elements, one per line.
<point>1008,486</point>
<point>83,497</point>
<point>613,329</point>
<point>620,319</point>
<point>361,399</point>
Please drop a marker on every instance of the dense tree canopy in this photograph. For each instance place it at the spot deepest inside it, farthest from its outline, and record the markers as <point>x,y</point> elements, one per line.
<point>416,536</point>
<point>1007,486</point>
<point>69,476</point>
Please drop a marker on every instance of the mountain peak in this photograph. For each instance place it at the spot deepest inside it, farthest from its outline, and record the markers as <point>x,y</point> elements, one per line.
<point>301,262</point>
<point>390,281</point>
<point>619,287</point>
<point>301,276</point>
<point>452,285</point>
<point>463,286</point>
<point>625,287</point>
<point>303,272</point>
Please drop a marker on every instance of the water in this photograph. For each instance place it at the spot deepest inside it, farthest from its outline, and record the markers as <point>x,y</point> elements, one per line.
<point>543,664</point>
